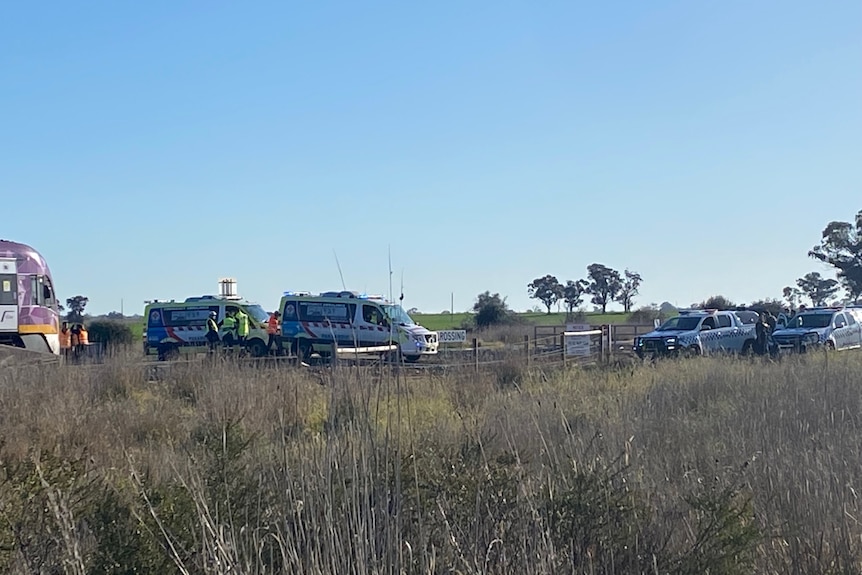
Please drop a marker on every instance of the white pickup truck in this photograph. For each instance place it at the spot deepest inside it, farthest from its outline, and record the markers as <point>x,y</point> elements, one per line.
<point>700,332</point>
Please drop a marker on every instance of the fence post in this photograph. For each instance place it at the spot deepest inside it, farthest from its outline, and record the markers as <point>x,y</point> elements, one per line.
<point>527,348</point>
<point>476,353</point>
<point>334,358</point>
<point>563,347</point>
<point>602,344</point>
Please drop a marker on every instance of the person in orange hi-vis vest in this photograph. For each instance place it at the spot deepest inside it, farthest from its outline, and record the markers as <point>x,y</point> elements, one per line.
<point>65,339</point>
<point>83,339</point>
<point>273,328</point>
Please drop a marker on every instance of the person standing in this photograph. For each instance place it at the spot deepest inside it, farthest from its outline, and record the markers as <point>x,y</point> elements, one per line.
<point>228,325</point>
<point>75,340</point>
<point>65,340</point>
<point>760,331</point>
<point>212,332</point>
<point>242,329</point>
<point>273,329</point>
<point>83,338</point>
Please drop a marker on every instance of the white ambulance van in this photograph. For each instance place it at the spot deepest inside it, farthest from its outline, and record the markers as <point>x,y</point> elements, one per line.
<point>349,319</point>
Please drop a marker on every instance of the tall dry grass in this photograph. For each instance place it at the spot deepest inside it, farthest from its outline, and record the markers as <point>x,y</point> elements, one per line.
<point>698,466</point>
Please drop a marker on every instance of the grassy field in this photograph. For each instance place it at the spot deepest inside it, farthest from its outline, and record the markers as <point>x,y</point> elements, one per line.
<point>682,467</point>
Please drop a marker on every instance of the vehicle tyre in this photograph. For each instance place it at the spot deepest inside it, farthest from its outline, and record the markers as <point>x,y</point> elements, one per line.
<point>829,345</point>
<point>168,352</point>
<point>257,348</point>
<point>412,358</point>
<point>302,349</point>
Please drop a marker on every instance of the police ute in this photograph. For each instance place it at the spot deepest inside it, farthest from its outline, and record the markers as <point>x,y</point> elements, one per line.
<point>829,327</point>
<point>312,323</point>
<point>700,332</point>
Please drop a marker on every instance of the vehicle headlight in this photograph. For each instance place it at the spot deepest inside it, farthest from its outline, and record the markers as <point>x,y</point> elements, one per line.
<point>638,342</point>
<point>670,340</point>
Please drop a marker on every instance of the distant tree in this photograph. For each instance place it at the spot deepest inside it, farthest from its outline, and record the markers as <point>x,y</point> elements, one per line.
<point>841,247</point>
<point>792,296</point>
<point>667,308</point>
<point>413,311</point>
<point>490,310</point>
<point>76,307</point>
<point>605,284</point>
<point>545,289</point>
<point>818,289</point>
<point>114,315</point>
<point>716,302</point>
<point>445,312</point>
<point>573,295</point>
<point>629,285</point>
<point>773,306</point>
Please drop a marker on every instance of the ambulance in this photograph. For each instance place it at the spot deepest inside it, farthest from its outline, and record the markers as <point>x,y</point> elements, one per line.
<point>350,319</point>
<point>179,327</point>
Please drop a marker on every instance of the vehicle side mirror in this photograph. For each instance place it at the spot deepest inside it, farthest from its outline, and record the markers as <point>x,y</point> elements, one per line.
<point>840,324</point>
<point>705,328</point>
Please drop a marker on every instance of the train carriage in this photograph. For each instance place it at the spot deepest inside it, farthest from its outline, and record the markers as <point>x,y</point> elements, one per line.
<point>29,311</point>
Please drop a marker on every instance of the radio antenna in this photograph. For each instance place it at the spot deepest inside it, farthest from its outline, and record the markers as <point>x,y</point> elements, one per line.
<point>341,275</point>
<point>390,273</point>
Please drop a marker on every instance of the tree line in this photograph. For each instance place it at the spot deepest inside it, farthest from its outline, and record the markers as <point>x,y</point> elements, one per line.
<point>605,285</point>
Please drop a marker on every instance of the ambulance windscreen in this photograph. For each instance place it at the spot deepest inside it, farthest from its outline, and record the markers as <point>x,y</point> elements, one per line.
<point>398,316</point>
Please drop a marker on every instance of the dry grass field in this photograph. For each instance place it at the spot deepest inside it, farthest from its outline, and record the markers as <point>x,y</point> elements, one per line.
<point>683,467</point>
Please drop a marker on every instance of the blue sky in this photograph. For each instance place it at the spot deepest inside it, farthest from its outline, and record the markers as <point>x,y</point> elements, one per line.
<point>150,148</point>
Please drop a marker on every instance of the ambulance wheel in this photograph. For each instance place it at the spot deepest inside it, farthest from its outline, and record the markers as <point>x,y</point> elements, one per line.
<point>257,348</point>
<point>302,350</point>
<point>168,352</point>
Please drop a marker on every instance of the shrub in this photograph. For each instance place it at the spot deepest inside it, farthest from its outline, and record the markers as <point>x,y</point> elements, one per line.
<point>110,333</point>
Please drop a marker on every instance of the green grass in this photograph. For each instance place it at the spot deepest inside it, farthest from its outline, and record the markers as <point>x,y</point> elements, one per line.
<point>437,321</point>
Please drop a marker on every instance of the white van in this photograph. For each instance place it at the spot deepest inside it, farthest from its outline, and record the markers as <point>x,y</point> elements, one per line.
<point>349,319</point>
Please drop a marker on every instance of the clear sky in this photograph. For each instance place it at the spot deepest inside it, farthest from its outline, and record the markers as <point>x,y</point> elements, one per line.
<point>149,148</point>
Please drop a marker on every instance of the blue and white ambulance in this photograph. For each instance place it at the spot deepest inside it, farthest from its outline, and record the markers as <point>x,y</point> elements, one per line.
<point>179,327</point>
<point>350,319</point>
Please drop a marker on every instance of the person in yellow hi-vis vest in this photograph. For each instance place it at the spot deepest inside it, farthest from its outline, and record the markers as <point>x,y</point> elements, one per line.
<point>228,326</point>
<point>242,328</point>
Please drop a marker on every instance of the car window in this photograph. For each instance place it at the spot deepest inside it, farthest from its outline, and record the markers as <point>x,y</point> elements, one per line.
<point>724,320</point>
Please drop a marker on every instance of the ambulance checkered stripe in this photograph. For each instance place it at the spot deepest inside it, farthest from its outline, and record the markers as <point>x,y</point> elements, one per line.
<point>325,325</point>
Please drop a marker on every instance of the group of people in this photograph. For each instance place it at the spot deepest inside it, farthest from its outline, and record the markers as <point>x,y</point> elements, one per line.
<point>73,340</point>
<point>235,329</point>
<point>763,329</point>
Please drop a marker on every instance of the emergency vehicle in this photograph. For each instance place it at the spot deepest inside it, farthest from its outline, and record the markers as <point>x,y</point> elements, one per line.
<point>178,327</point>
<point>349,319</point>
<point>701,332</point>
<point>834,328</point>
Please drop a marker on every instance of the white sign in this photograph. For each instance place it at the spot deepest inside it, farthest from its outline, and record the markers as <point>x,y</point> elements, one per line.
<point>577,327</point>
<point>452,336</point>
<point>578,345</point>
